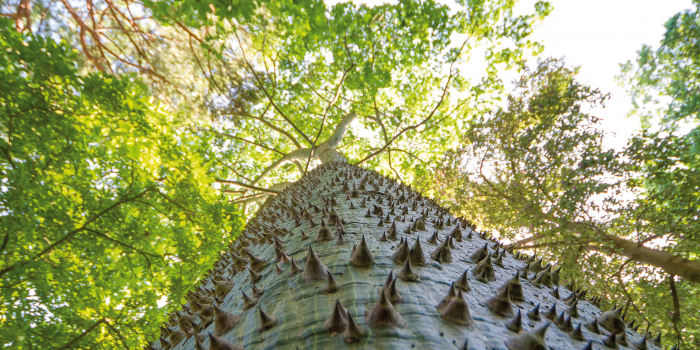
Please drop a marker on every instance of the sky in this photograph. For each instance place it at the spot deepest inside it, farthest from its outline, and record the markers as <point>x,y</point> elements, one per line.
<point>597,35</point>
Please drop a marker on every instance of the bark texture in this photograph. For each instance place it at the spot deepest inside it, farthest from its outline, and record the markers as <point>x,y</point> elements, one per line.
<point>345,258</point>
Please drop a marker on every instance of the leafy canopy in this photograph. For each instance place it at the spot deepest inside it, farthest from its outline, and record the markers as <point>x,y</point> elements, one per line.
<point>307,66</point>
<point>107,204</point>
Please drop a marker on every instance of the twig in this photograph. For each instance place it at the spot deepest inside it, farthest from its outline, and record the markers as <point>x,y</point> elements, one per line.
<point>70,234</point>
<point>119,335</point>
<point>82,335</point>
<point>412,127</point>
<point>250,187</point>
<point>238,138</point>
<point>325,115</point>
<point>267,94</point>
<point>145,254</point>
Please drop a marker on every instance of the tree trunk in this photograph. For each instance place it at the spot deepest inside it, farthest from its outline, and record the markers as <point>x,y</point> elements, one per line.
<point>454,285</point>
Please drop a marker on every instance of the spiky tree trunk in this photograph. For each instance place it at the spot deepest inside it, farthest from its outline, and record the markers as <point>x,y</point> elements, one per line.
<point>346,258</point>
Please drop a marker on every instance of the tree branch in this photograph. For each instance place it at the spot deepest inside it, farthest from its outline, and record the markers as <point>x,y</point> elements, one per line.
<point>24,11</point>
<point>70,234</point>
<point>267,94</point>
<point>145,254</point>
<point>119,335</point>
<point>238,138</point>
<point>672,264</point>
<point>327,150</point>
<point>412,127</point>
<point>299,154</point>
<point>250,187</point>
<point>622,284</point>
<point>231,169</point>
<point>82,335</point>
<point>676,318</point>
<point>325,114</point>
<point>279,130</point>
<point>84,27</point>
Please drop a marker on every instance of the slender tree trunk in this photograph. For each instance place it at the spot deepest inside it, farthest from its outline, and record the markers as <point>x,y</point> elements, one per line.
<point>345,258</point>
<point>23,18</point>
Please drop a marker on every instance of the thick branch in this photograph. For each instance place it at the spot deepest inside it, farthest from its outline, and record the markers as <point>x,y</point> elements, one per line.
<point>326,151</point>
<point>297,155</point>
<point>24,12</point>
<point>672,264</point>
<point>340,129</point>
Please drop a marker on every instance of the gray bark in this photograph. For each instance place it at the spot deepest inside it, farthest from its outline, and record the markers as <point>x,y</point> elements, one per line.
<point>302,308</point>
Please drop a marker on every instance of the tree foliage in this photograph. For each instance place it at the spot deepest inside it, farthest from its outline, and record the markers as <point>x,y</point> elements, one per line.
<point>537,172</point>
<point>106,203</point>
<point>663,82</point>
<point>271,75</point>
<point>662,85</point>
<point>123,37</point>
<point>310,66</point>
<point>108,198</point>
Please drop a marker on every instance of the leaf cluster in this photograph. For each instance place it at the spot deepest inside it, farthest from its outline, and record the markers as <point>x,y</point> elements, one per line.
<point>105,198</point>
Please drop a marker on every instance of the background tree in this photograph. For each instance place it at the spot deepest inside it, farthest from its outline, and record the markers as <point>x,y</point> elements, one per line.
<point>662,84</point>
<point>537,172</point>
<point>106,203</point>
